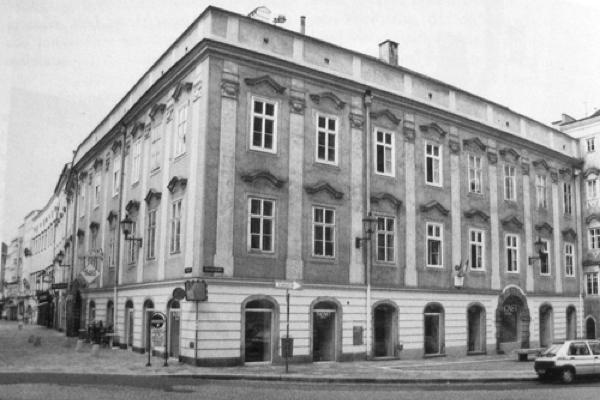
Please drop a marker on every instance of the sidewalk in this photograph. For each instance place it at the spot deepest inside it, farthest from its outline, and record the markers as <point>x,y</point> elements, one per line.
<point>57,355</point>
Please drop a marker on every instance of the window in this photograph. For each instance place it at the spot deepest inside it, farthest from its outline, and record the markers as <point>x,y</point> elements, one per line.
<point>569,259</point>
<point>112,247</point>
<point>323,232</point>
<point>591,145</point>
<point>510,192</point>
<point>264,131</point>
<point>433,164</point>
<point>435,240</point>
<point>591,279</point>
<point>132,245</point>
<point>82,200</point>
<point>476,248</point>
<point>116,175</point>
<point>181,131</point>
<point>260,225</point>
<point>474,174</point>
<point>136,160</point>
<point>175,242</point>
<point>567,198</point>
<point>384,152</point>
<point>512,253</point>
<point>151,234</point>
<point>545,258</point>
<point>97,189</point>
<point>594,238</point>
<point>592,189</point>
<point>155,149</point>
<point>93,247</point>
<point>326,139</point>
<point>385,239</point>
<point>540,191</point>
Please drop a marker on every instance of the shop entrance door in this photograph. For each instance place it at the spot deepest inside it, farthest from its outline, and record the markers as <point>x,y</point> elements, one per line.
<point>432,333</point>
<point>324,335</point>
<point>383,331</point>
<point>174,325</point>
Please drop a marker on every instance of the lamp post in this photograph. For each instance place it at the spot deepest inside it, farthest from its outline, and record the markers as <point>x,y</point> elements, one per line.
<point>369,227</point>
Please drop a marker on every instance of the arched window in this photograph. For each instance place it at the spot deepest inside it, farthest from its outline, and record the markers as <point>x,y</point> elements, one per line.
<point>571,322</point>
<point>546,325</point>
<point>590,328</point>
<point>147,316</point>
<point>92,312</point>
<point>174,325</point>
<point>476,342</point>
<point>110,314</point>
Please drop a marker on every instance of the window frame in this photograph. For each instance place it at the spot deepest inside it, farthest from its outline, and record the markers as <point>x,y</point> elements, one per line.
<point>327,131</point>
<point>591,281</point>
<point>151,232</point>
<point>386,233</point>
<point>132,245</point>
<point>391,146</point>
<point>592,236</point>
<point>262,218</point>
<point>571,255</point>
<point>547,252</point>
<point>591,194</point>
<point>439,158</point>
<point>275,104</point>
<point>480,244</point>
<point>475,173</point>
<point>441,246</point>
<point>116,175</point>
<point>97,188</point>
<point>155,148</point>
<point>324,226</point>
<point>510,182</point>
<point>567,198</point>
<point>175,239</point>
<point>541,191</point>
<point>591,144</point>
<point>136,161</point>
<point>510,248</point>
<point>181,131</point>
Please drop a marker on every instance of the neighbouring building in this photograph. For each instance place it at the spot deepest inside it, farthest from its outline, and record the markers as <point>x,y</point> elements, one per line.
<point>3,255</point>
<point>420,219</point>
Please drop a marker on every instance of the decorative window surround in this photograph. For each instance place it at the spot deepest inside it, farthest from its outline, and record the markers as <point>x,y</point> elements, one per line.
<point>383,196</point>
<point>434,205</point>
<point>512,223</point>
<point>176,181</point>
<point>434,242</point>
<point>132,205</point>
<point>384,149</point>
<point>327,139</point>
<point>434,128</point>
<point>474,144</point>
<point>112,215</point>
<point>267,81</point>
<point>569,235</point>
<point>263,129</point>
<point>387,114</point>
<point>324,234</point>
<point>152,194</point>
<point>511,242</point>
<point>509,155</point>
<point>324,187</point>
<point>386,239</point>
<point>474,213</point>
<point>433,164</point>
<point>317,98</point>
<point>261,225</point>
<point>252,177</point>
<point>180,88</point>
<point>477,249</point>
<point>540,228</point>
<point>569,259</point>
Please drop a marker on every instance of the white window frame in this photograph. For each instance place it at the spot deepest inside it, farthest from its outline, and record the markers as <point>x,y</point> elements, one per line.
<point>510,182</point>
<point>547,252</point>
<point>541,191</point>
<point>439,238</point>
<point>328,132</point>
<point>439,181</point>
<point>591,189</point>
<point>391,146</point>
<point>591,144</point>
<point>591,283</point>
<point>323,226</point>
<point>478,244</point>
<point>151,231</point>
<point>155,149</point>
<point>262,219</point>
<point>136,163</point>
<point>474,173</point>
<point>264,117</point>
<point>116,174</point>
<point>112,245</point>
<point>182,125</point>
<point>567,198</point>
<point>594,238</point>
<point>176,231</point>
<point>512,249</point>
<point>97,188</point>
<point>569,259</point>
<point>82,205</point>
<point>387,236</point>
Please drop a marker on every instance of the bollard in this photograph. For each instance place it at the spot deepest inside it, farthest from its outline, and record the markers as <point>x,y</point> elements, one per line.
<point>37,342</point>
<point>95,350</point>
<point>79,346</point>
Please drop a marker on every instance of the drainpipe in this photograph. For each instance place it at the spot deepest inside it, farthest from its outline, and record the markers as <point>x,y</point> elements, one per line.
<point>73,235</point>
<point>118,244</point>
<point>368,100</point>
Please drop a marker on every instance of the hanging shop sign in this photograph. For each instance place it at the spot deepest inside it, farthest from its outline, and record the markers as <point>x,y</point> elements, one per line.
<point>179,293</point>
<point>196,290</point>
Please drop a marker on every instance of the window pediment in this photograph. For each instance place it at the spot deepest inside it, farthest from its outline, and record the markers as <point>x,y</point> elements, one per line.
<point>434,206</point>
<point>98,163</point>
<point>317,98</point>
<point>386,113</point>
<point>156,109</point>
<point>592,217</point>
<point>541,164</point>
<point>80,233</point>
<point>324,187</point>
<point>265,80</point>
<point>264,175</point>
<point>176,181</point>
<point>591,171</point>
<point>512,223</point>
<point>112,215</point>
<point>94,226</point>
<point>152,194</point>
<point>544,228</point>
<point>474,144</point>
<point>474,213</point>
<point>116,146</point>
<point>132,205</point>
<point>384,196</point>
<point>435,129</point>
<point>569,234</point>
<point>180,88</point>
<point>136,128</point>
<point>509,155</point>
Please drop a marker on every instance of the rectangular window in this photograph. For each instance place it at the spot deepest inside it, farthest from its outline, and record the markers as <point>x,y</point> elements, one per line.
<point>567,198</point>
<point>540,191</point>
<point>385,239</point>
<point>592,189</point>
<point>151,234</point>
<point>591,145</point>
<point>82,204</point>
<point>545,258</point>
<point>569,259</point>
<point>594,238</point>
<point>260,225</point>
<point>434,240</point>
<point>181,131</point>
<point>512,253</point>
<point>112,247</point>
<point>326,139</point>
<point>116,175</point>
<point>476,249</point>
<point>155,149</point>
<point>175,242</point>
<point>474,174</point>
<point>264,126</point>
<point>323,232</point>
<point>591,279</point>
<point>384,152</point>
<point>510,185</point>
<point>97,188</point>
<point>433,164</point>
<point>132,245</point>
<point>136,161</point>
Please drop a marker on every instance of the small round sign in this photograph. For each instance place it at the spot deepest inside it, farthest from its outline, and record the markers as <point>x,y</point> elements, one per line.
<point>179,293</point>
<point>158,320</point>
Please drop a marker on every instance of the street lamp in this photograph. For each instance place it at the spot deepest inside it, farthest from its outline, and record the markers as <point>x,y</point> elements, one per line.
<point>539,247</point>
<point>60,258</point>
<point>127,228</point>
<point>369,226</point>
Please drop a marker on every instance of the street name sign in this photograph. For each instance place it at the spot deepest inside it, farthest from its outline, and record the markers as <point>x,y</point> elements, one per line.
<point>289,285</point>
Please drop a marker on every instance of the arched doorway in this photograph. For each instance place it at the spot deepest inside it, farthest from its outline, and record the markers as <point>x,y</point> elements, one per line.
<point>546,325</point>
<point>146,317</point>
<point>326,330</point>
<point>92,312</point>
<point>110,315</point>
<point>476,332</point>
<point>174,325</point>
<point>590,328</point>
<point>385,329</point>
<point>512,320</point>
<point>571,323</point>
<point>433,329</point>
<point>259,324</point>
<point>129,314</point>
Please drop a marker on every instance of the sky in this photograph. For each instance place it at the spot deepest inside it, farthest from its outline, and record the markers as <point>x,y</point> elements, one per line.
<point>65,63</point>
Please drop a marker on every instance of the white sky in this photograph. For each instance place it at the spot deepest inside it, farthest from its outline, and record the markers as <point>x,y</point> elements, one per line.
<point>65,63</point>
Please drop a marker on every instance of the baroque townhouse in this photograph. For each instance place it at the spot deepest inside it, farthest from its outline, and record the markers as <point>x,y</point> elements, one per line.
<point>587,131</point>
<point>420,220</point>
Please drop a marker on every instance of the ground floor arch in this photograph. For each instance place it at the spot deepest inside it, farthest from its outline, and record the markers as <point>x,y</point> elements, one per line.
<point>571,322</point>
<point>590,328</point>
<point>260,322</point>
<point>476,332</point>
<point>326,321</point>
<point>512,320</point>
<point>434,329</point>
<point>129,318</point>
<point>546,318</point>
<point>385,329</point>
<point>174,327</point>
<point>148,309</point>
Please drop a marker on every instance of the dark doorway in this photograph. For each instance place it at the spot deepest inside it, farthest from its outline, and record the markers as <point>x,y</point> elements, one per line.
<point>546,325</point>
<point>571,323</point>
<point>258,331</point>
<point>476,329</point>
<point>433,320</point>
<point>147,316</point>
<point>324,331</point>
<point>590,328</point>
<point>174,328</point>
<point>384,332</point>
<point>129,323</point>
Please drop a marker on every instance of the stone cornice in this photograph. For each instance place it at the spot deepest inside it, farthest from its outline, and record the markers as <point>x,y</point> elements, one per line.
<point>265,80</point>
<point>384,196</point>
<point>316,98</point>
<point>324,187</point>
<point>252,177</point>
<point>434,205</point>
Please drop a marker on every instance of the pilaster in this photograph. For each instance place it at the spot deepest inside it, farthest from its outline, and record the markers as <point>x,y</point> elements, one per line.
<point>529,283</point>
<point>494,226</point>
<point>357,270</point>
<point>165,203</point>
<point>455,213</point>
<point>558,270</point>
<point>410,273</point>
<point>141,219</point>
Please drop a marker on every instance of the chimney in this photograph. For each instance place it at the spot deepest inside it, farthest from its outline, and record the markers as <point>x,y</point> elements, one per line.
<point>303,25</point>
<point>388,52</point>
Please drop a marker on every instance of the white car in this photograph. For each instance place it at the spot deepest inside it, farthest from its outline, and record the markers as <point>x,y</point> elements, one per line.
<point>568,359</point>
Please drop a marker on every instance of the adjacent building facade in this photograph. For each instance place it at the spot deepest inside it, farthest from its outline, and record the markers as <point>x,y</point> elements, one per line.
<point>421,220</point>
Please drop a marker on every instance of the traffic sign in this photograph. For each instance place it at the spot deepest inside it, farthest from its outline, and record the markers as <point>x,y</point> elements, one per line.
<point>289,285</point>
<point>157,320</point>
<point>158,337</point>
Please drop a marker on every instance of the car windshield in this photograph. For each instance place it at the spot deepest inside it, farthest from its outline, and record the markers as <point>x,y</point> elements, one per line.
<point>552,350</point>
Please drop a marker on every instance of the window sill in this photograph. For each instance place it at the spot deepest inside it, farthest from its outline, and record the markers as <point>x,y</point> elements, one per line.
<point>382,263</point>
<point>513,272</point>
<point>154,171</point>
<point>263,151</point>
<point>174,253</point>
<point>570,276</point>
<point>323,260</point>
<point>440,267</point>
<point>384,175</point>
<point>476,194</point>
<point>135,184</point>
<point>434,185</point>
<point>327,164</point>
<point>261,254</point>
<point>179,157</point>
<point>478,270</point>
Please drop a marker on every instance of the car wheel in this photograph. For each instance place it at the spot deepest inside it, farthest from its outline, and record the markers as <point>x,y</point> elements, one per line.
<point>567,375</point>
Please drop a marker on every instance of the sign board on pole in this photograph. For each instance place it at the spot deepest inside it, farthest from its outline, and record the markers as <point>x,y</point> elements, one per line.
<point>289,285</point>
<point>158,337</point>
<point>158,320</point>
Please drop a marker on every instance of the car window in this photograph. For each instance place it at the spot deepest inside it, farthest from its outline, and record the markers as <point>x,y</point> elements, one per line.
<point>552,350</point>
<point>595,346</point>
<point>579,349</point>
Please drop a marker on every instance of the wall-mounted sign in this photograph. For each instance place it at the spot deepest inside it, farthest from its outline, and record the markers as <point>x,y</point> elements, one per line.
<point>188,270</point>
<point>196,290</point>
<point>62,285</point>
<point>511,308</point>
<point>178,293</point>
<point>213,269</point>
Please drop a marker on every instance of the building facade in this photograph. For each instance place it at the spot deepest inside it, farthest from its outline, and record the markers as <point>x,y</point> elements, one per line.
<point>421,220</point>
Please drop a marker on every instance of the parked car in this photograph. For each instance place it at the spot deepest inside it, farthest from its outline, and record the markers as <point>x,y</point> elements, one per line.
<point>569,359</point>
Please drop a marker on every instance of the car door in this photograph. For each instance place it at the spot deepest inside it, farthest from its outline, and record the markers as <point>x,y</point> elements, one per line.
<point>595,348</point>
<point>581,357</point>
